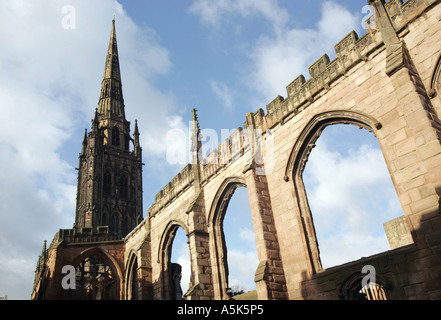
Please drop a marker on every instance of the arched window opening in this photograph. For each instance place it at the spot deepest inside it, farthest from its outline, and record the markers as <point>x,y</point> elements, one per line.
<point>133,283</point>
<point>125,226</point>
<point>94,280</point>
<point>355,289</point>
<point>114,223</point>
<point>180,266</point>
<point>127,142</point>
<point>115,137</point>
<point>240,253</point>
<point>350,195</point>
<point>124,187</point>
<point>107,183</point>
<point>105,219</point>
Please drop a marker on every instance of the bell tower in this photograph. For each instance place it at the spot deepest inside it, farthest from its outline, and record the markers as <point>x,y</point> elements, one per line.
<point>109,194</point>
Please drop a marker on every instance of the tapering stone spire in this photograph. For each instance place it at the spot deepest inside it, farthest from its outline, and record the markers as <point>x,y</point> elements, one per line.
<point>111,102</point>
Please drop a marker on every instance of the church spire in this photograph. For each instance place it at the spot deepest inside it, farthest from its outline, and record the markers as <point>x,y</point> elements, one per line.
<point>111,102</point>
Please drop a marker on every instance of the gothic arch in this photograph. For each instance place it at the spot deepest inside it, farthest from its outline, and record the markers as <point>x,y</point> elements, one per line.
<point>108,181</point>
<point>105,219</point>
<point>123,185</point>
<point>167,237</point>
<point>110,260</point>
<point>115,222</point>
<point>126,225</point>
<point>116,137</point>
<point>297,161</point>
<point>352,288</point>
<point>215,221</point>
<point>306,141</point>
<point>131,277</point>
<point>164,255</point>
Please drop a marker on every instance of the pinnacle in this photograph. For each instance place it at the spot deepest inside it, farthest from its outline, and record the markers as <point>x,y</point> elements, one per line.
<point>111,102</point>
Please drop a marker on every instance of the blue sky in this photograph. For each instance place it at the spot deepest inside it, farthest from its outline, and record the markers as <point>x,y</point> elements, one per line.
<point>224,58</point>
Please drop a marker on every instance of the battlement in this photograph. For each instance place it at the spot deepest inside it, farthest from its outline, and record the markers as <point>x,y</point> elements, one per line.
<point>402,12</point>
<point>175,187</point>
<point>301,92</point>
<point>230,150</point>
<point>85,235</point>
<point>350,51</point>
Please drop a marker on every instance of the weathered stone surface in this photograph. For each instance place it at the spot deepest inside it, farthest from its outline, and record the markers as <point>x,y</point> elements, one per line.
<point>386,82</point>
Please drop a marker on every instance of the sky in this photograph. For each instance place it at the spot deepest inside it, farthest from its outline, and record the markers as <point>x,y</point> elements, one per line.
<point>225,58</point>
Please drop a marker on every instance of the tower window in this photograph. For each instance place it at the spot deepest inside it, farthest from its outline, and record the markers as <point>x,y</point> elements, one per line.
<point>125,226</point>
<point>115,137</point>
<point>127,143</point>
<point>124,186</point>
<point>105,219</point>
<point>114,223</point>
<point>107,183</point>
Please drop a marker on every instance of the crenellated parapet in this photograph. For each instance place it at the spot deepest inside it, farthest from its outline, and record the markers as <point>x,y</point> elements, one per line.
<point>323,73</point>
<point>350,51</point>
<point>174,188</point>
<point>229,151</point>
<point>402,12</point>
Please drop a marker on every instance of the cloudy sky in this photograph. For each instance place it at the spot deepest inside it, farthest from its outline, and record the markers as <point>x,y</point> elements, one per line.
<point>224,58</point>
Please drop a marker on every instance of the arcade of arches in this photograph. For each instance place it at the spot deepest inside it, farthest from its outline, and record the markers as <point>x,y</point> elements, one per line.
<point>385,82</point>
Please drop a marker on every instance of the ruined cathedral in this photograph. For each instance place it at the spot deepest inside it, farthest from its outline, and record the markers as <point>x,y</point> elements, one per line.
<point>387,82</point>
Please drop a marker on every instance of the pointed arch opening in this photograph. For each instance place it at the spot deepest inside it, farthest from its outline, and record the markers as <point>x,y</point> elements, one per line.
<point>115,137</point>
<point>132,279</point>
<point>353,288</point>
<point>235,254</point>
<point>240,244</point>
<point>107,182</point>
<point>124,186</point>
<point>175,260</point>
<point>97,277</point>
<point>341,210</point>
<point>125,226</point>
<point>115,223</point>
<point>181,265</point>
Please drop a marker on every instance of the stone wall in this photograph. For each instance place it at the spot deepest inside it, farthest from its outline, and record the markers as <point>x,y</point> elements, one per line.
<point>376,82</point>
<point>387,82</point>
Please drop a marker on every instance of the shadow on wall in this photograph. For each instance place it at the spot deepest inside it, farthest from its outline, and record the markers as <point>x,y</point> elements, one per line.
<point>409,272</point>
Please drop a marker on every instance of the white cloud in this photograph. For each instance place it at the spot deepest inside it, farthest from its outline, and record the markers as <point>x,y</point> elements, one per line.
<point>223,93</point>
<point>280,56</point>
<point>184,262</point>
<point>242,266</point>
<point>351,196</point>
<point>213,13</point>
<point>279,59</point>
<point>247,235</point>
